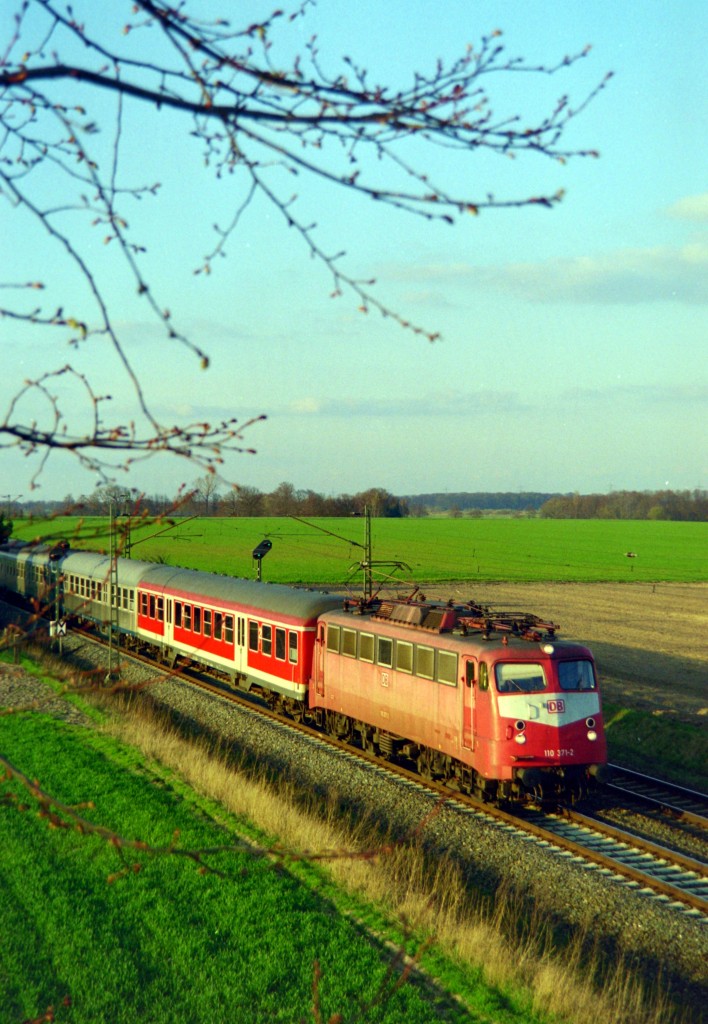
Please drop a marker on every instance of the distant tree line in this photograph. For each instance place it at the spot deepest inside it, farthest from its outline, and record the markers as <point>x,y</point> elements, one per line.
<point>691,506</point>
<point>205,499</point>
<point>493,501</point>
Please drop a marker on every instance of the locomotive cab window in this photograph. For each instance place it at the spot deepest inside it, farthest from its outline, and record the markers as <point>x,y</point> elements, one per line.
<point>524,678</point>
<point>576,675</point>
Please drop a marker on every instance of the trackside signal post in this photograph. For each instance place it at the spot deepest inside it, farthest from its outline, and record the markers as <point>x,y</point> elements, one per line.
<point>259,554</point>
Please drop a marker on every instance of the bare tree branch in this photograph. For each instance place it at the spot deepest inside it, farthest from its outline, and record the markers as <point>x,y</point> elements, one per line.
<point>268,119</point>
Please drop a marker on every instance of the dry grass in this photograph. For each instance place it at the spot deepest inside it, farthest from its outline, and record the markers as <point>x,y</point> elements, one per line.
<point>431,901</point>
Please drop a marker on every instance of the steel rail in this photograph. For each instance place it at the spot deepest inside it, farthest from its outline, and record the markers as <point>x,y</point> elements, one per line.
<point>686,805</point>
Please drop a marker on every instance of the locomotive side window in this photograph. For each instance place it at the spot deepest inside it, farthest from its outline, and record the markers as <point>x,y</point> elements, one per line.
<point>207,622</point>
<point>349,643</point>
<point>425,662</point>
<point>483,676</point>
<point>384,652</point>
<point>333,639</point>
<point>526,678</point>
<point>366,646</point>
<point>292,648</point>
<point>266,639</point>
<point>229,629</point>
<point>280,644</point>
<point>404,656</point>
<point>576,675</point>
<point>447,668</point>
<point>252,635</point>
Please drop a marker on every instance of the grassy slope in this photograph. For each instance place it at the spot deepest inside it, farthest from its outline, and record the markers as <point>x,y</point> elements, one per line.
<point>435,549</point>
<point>168,944</point>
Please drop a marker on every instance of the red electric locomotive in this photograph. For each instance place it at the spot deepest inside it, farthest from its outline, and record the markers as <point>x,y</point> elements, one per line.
<point>491,702</point>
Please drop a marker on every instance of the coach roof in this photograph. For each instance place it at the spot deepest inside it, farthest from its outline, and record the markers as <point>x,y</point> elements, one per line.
<point>250,594</point>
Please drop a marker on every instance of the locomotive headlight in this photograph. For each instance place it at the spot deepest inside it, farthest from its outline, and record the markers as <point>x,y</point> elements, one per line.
<point>592,735</point>
<point>520,738</point>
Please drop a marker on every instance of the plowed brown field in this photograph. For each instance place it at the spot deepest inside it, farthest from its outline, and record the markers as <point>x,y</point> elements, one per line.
<point>650,641</point>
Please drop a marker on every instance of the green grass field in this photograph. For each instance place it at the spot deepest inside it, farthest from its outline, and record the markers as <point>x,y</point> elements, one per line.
<point>436,550</point>
<point>168,943</point>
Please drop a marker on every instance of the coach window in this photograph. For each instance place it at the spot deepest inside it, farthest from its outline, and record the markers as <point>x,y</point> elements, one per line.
<point>267,640</point>
<point>333,639</point>
<point>178,614</point>
<point>161,609</point>
<point>143,604</point>
<point>292,648</point>
<point>366,647</point>
<point>280,644</point>
<point>197,620</point>
<point>229,629</point>
<point>131,599</point>
<point>349,643</point>
<point>447,668</point>
<point>188,616</point>
<point>425,662</point>
<point>252,635</point>
<point>152,606</point>
<point>384,652</point>
<point>207,622</point>
<point>218,625</point>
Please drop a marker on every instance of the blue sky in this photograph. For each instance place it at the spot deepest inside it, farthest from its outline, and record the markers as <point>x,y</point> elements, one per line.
<point>573,351</point>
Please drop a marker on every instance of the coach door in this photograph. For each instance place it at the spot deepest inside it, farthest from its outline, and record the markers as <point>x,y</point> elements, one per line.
<point>469,702</point>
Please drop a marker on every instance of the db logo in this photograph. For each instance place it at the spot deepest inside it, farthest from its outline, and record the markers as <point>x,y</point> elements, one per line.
<point>556,707</point>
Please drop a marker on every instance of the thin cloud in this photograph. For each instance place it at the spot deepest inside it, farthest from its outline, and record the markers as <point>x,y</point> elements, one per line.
<point>626,276</point>
<point>693,208</point>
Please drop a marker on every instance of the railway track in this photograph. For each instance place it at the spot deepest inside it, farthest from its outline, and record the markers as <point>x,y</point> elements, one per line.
<point>685,805</point>
<point>667,874</point>
<point>644,865</point>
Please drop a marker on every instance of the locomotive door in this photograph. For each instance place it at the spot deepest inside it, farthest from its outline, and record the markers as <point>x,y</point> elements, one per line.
<point>319,659</point>
<point>469,698</point>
